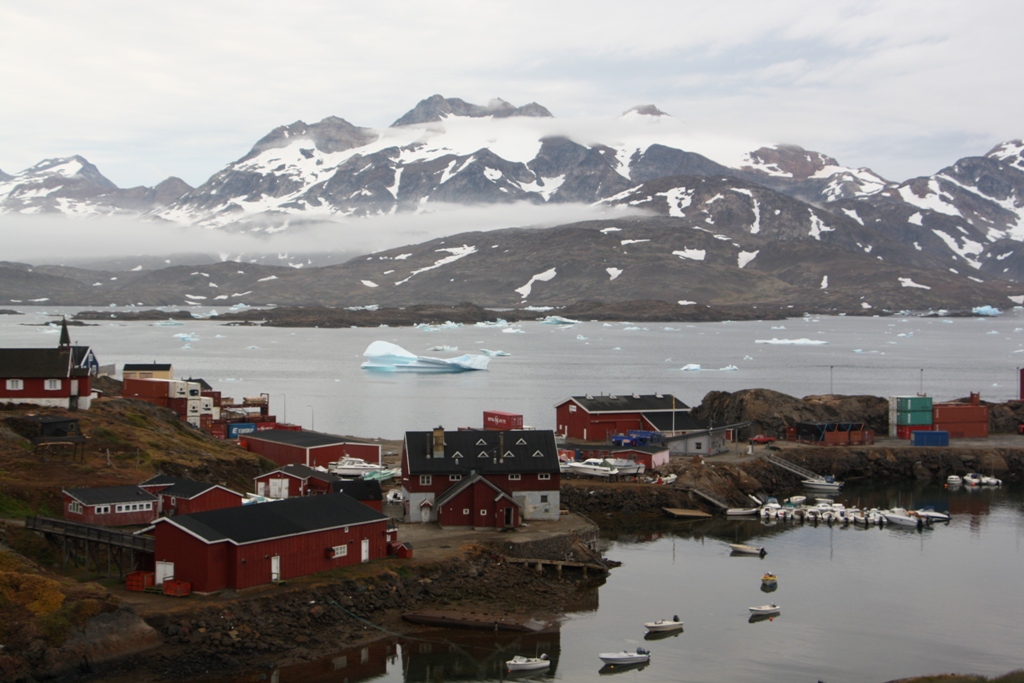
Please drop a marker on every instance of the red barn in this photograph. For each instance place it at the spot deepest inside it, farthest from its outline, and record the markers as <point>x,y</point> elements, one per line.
<point>185,497</point>
<point>58,377</point>
<point>650,456</point>
<point>599,418</point>
<point>251,545</point>
<point>480,478</point>
<point>110,506</point>
<point>312,449</point>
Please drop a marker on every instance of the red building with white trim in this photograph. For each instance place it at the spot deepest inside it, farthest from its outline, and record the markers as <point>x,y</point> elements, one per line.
<point>110,506</point>
<point>599,418</point>
<point>312,449</point>
<point>185,497</point>
<point>480,478</point>
<point>58,377</point>
<point>256,544</point>
<point>291,481</point>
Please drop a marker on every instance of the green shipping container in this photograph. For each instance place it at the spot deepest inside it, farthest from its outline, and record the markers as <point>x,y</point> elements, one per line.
<point>913,404</point>
<point>922,417</point>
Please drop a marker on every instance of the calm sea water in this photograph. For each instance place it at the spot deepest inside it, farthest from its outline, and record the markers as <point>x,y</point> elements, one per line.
<point>314,378</point>
<point>857,605</point>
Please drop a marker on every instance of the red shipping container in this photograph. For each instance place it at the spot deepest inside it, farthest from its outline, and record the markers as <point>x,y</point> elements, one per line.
<point>178,405</point>
<point>964,430</point>
<point>287,427</point>
<point>904,431</point>
<point>497,420</point>
<point>137,388</point>
<point>215,395</point>
<point>959,412</point>
<point>837,438</point>
<point>178,589</point>
<point>264,426</point>
<point>139,581</point>
<point>219,430</point>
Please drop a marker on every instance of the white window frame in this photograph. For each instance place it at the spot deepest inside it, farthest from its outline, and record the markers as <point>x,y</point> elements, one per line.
<point>454,477</point>
<point>483,513</point>
<point>544,476</point>
<point>15,385</point>
<point>52,384</point>
<point>340,551</point>
<point>515,477</point>
<point>75,507</point>
<point>465,511</point>
<point>102,509</point>
<point>426,480</point>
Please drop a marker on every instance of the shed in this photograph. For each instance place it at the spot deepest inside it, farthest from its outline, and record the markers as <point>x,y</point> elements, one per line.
<point>650,456</point>
<point>110,506</point>
<point>256,544</point>
<point>599,418</point>
<point>312,449</point>
<point>185,496</point>
<point>292,481</point>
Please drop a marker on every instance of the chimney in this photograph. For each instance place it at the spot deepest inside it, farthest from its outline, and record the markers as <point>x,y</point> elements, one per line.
<point>439,442</point>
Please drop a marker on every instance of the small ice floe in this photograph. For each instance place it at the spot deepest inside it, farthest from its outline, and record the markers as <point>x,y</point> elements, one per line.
<point>863,351</point>
<point>558,320</point>
<point>387,357</point>
<point>513,330</point>
<point>905,334</point>
<point>695,367</point>
<point>219,336</point>
<point>778,327</point>
<point>186,346</point>
<point>670,329</point>
<point>991,332</point>
<point>169,323</point>
<point>443,347</point>
<point>494,353</point>
<point>252,348</point>
<point>607,325</point>
<point>617,348</point>
<point>791,342</point>
<point>496,323</point>
<point>581,337</point>
<point>632,328</point>
<point>986,310</point>
<point>690,367</point>
<point>748,358</point>
<point>186,336</point>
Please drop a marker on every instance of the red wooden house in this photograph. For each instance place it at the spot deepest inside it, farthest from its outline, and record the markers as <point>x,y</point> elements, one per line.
<point>256,544</point>
<point>291,481</point>
<point>480,478</point>
<point>312,449</point>
<point>59,377</point>
<point>599,418</point>
<point>184,496</point>
<point>110,506</point>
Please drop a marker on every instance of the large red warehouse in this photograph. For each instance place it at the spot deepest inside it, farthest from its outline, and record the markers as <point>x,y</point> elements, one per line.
<point>267,542</point>
<point>312,449</point>
<point>599,418</point>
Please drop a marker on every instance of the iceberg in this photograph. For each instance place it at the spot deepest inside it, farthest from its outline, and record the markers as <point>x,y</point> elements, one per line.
<point>558,320</point>
<point>695,367</point>
<point>387,357</point>
<point>443,347</point>
<point>494,354</point>
<point>986,310</point>
<point>799,342</point>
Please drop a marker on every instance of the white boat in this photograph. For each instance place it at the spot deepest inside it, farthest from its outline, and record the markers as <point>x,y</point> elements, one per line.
<point>953,480</point>
<point>972,479</point>
<point>797,500</point>
<point>382,474</point>
<point>664,625</point>
<point>823,484</point>
<point>932,514</point>
<point>740,549</point>
<point>765,610</point>
<point>520,663</point>
<point>990,481</point>
<point>592,467</point>
<point>742,512</point>
<point>352,467</point>
<point>669,479</point>
<point>394,496</point>
<point>628,468</point>
<point>626,657</point>
<point>902,517</point>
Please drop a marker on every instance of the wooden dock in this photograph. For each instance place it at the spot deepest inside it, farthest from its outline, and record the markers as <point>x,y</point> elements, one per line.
<point>681,513</point>
<point>559,565</point>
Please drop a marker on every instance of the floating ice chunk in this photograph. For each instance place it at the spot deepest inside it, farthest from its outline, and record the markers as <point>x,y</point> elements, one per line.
<point>581,337</point>
<point>792,342</point>
<point>748,358</point>
<point>497,323</point>
<point>387,357</point>
<point>670,329</point>
<point>443,347</point>
<point>186,336</point>
<point>992,332</point>
<point>778,327</point>
<point>986,310</point>
<point>607,325</point>
<point>690,367</point>
<point>558,320</point>
<point>494,353</point>
<point>695,367</point>
<point>863,351</point>
<point>631,328</point>
<point>252,348</point>
<point>617,348</point>
<point>513,330</point>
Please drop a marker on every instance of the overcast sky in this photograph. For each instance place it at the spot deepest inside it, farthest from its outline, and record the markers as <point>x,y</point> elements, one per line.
<point>147,90</point>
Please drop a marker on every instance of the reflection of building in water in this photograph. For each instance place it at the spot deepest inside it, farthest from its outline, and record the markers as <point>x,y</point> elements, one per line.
<point>347,666</point>
<point>451,655</point>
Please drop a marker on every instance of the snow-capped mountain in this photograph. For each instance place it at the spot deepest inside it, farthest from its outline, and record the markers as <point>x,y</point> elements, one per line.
<point>73,186</point>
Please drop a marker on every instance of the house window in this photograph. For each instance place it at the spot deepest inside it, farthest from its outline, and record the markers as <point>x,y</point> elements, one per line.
<point>102,509</point>
<point>698,445</point>
<point>340,550</point>
<point>572,409</point>
<point>52,385</point>
<point>425,480</point>
<point>544,498</point>
<point>544,476</point>
<point>15,384</point>
<point>454,477</point>
<point>515,477</point>
<point>483,513</point>
<point>465,511</point>
<point>75,507</point>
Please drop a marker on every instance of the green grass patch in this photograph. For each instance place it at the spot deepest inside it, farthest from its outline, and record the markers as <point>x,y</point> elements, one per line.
<point>14,508</point>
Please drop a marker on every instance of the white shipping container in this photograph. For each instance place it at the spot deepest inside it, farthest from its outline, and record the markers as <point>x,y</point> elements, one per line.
<point>195,389</point>
<point>207,404</point>
<point>216,412</point>
<point>193,420</point>
<point>177,389</point>
<point>195,405</point>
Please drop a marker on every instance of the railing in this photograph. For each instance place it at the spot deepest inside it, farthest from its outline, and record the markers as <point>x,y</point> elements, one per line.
<point>88,532</point>
<point>795,469</point>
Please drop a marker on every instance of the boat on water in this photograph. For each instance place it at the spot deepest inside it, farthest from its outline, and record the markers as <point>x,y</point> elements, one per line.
<point>353,467</point>
<point>520,663</point>
<point>901,517</point>
<point>742,512</point>
<point>990,481</point>
<point>592,467</point>
<point>740,549</point>
<point>765,610</point>
<point>972,479</point>
<point>769,579</point>
<point>954,480</point>
<point>797,500</point>
<point>933,515</point>
<point>625,658</point>
<point>828,483</point>
<point>664,625</point>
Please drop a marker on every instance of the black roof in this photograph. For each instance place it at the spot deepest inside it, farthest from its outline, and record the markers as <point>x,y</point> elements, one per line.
<point>110,495</point>
<point>45,363</point>
<point>303,439</point>
<point>629,404</point>
<point>203,384</point>
<point>484,451</point>
<point>360,489</point>
<point>684,421</point>
<point>139,367</point>
<point>180,488</point>
<point>276,519</point>
<point>304,472</point>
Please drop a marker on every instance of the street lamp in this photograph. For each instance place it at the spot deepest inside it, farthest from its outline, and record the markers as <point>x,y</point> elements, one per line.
<point>830,391</point>
<point>284,404</point>
<point>312,418</point>
<point>921,386</point>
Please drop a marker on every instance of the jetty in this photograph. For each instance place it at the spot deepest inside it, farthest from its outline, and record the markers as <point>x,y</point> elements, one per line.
<point>682,513</point>
<point>793,467</point>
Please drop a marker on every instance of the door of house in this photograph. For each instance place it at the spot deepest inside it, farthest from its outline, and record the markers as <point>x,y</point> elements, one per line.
<point>261,488</point>
<point>365,554</point>
<point>508,517</point>
<point>279,487</point>
<point>275,568</point>
<point>425,513</point>
<point>164,571</point>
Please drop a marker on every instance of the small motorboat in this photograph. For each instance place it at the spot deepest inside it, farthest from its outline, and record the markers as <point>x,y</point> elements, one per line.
<point>520,663</point>
<point>797,500</point>
<point>901,517</point>
<point>664,625</point>
<point>954,480</point>
<point>769,579</point>
<point>592,467</point>
<point>931,514</point>
<point>394,497</point>
<point>765,610</point>
<point>625,658</point>
<point>742,512</point>
<point>823,484</point>
<point>972,479</point>
<point>990,481</point>
<point>740,549</point>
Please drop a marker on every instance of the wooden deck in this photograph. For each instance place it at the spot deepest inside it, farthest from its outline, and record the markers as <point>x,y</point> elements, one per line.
<point>682,513</point>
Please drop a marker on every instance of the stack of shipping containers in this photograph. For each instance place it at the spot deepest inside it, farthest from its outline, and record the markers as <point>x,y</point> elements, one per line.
<point>962,420</point>
<point>909,414</point>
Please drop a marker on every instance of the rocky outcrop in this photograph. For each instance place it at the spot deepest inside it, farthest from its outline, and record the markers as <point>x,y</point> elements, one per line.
<point>772,411</point>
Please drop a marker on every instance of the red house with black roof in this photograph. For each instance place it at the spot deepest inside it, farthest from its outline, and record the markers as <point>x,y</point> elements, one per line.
<point>58,377</point>
<point>179,496</point>
<point>110,506</point>
<point>291,481</point>
<point>256,544</point>
<point>599,418</point>
<point>480,478</point>
<point>312,449</point>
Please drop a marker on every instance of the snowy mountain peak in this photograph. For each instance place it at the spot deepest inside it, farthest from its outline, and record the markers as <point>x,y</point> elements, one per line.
<point>643,110</point>
<point>330,135</point>
<point>790,161</point>
<point>437,107</point>
<point>1011,151</point>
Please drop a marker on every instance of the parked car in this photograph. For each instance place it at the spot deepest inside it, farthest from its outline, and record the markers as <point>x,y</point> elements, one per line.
<point>761,439</point>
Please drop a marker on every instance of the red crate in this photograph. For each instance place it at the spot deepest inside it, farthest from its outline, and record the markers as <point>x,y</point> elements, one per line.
<point>178,589</point>
<point>904,431</point>
<point>139,581</point>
